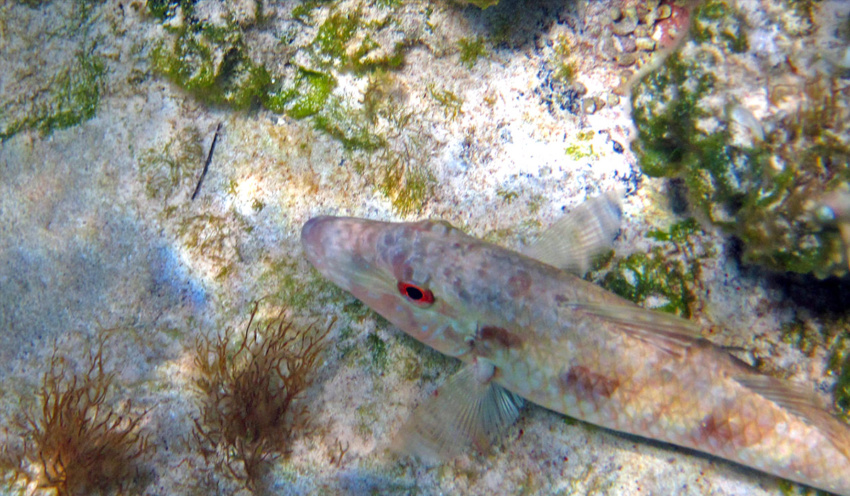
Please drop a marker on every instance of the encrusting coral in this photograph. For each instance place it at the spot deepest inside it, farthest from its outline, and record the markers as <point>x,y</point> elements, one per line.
<point>250,394</point>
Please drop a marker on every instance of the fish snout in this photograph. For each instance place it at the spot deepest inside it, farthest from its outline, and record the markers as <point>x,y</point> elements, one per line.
<point>338,246</point>
<point>311,232</point>
<point>314,238</point>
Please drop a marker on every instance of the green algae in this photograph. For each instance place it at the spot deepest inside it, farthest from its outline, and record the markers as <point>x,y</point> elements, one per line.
<point>212,238</point>
<point>167,9</point>
<point>680,232</point>
<point>641,276</point>
<point>344,40</point>
<point>450,102</point>
<point>377,351</point>
<point>167,171</point>
<point>507,196</point>
<point>298,289</point>
<point>407,186</point>
<point>761,191</point>
<point>482,4</point>
<point>657,279</point>
<point>839,366</point>
<point>581,149</point>
<point>303,96</point>
<point>191,62</point>
<point>717,22</point>
<point>72,97</point>
<point>213,64</point>
<point>349,126</point>
<point>471,49</point>
<point>831,334</point>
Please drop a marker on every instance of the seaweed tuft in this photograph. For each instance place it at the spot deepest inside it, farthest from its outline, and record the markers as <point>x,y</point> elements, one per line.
<point>250,394</point>
<point>77,444</point>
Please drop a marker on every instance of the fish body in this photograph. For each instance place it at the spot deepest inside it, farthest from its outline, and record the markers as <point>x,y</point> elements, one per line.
<point>563,343</point>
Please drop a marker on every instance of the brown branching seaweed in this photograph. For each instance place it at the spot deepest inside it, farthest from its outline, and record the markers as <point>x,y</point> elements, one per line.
<point>250,394</point>
<point>76,444</point>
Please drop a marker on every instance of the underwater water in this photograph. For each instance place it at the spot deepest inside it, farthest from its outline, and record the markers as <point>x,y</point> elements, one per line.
<point>159,158</point>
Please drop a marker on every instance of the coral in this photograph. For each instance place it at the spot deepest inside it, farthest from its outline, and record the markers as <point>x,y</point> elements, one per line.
<point>250,394</point>
<point>760,180</point>
<point>76,443</point>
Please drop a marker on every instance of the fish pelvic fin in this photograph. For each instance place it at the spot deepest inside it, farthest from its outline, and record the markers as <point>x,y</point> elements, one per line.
<point>572,241</point>
<point>469,409</point>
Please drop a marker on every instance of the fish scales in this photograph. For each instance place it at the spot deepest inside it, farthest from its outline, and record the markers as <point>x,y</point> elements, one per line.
<point>575,348</point>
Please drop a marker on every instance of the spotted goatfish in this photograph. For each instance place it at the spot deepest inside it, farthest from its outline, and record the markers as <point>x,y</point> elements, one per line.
<point>528,328</point>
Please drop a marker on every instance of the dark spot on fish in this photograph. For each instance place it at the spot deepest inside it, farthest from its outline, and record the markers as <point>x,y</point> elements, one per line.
<point>714,427</point>
<point>587,385</point>
<point>505,338</point>
<point>519,284</point>
<point>559,298</point>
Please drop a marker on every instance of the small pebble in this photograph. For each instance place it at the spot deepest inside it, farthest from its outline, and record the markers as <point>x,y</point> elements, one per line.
<point>626,59</point>
<point>625,26</point>
<point>625,44</point>
<point>645,44</point>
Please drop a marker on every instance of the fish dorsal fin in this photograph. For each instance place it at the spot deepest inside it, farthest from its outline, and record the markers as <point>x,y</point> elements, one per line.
<point>668,332</point>
<point>802,403</point>
<point>572,241</point>
<point>469,409</point>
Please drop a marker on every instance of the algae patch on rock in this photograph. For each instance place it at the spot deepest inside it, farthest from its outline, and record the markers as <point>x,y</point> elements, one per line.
<point>665,277</point>
<point>759,179</point>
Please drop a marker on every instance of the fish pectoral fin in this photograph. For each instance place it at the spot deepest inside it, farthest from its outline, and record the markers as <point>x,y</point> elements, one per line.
<point>572,241</point>
<point>802,403</point>
<point>469,409</point>
<point>668,332</point>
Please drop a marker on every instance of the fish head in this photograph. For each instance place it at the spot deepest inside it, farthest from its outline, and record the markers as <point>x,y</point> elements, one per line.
<point>404,271</point>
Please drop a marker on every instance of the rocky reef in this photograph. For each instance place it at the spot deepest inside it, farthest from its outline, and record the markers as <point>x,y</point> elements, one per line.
<point>752,117</point>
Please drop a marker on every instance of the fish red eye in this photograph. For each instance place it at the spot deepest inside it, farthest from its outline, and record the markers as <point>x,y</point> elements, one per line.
<point>416,294</point>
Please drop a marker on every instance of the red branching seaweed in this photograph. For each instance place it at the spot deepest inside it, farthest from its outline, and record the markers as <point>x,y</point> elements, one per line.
<point>250,392</point>
<point>76,443</point>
